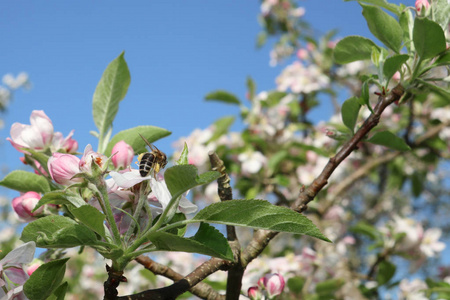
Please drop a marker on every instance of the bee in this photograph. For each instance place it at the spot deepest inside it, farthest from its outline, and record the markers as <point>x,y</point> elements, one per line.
<point>154,160</point>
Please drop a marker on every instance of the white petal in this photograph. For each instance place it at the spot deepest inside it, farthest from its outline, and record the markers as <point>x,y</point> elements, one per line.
<point>127,179</point>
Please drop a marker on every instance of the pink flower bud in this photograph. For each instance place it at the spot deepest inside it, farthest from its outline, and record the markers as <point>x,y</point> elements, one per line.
<point>23,205</point>
<point>254,293</point>
<point>422,6</point>
<point>63,167</point>
<point>33,268</point>
<point>302,54</point>
<point>273,284</point>
<point>123,155</point>
<point>36,136</point>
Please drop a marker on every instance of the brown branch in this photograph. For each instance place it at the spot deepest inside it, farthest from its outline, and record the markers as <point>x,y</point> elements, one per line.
<point>311,191</point>
<point>367,167</point>
<point>236,272</point>
<point>261,238</point>
<point>191,282</point>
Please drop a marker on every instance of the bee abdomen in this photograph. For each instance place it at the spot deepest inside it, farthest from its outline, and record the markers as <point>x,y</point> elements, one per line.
<point>146,164</point>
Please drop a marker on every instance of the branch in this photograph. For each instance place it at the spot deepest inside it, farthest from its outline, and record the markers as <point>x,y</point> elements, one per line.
<point>190,283</point>
<point>236,272</point>
<point>316,186</point>
<point>261,238</point>
<point>367,167</point>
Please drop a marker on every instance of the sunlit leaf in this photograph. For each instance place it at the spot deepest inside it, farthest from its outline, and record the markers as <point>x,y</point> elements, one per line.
<point>258,214</point>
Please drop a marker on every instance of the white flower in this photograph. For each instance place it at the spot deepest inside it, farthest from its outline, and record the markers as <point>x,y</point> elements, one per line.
<point>252,162</point>
<point>431,245</point>
<point>301,79</point>
<point>412,290</point>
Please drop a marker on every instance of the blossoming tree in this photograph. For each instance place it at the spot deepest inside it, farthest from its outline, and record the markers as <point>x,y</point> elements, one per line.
<point>342,197</point>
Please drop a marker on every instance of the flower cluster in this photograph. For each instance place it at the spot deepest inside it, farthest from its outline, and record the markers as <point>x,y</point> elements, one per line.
<point>39,135</point>
<point>269,286</point>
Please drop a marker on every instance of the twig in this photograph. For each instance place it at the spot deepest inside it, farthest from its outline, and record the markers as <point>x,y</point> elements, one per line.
<point>236,272</point>
<point>311,191</point>
<point>371,164</point>
<point>261,238</point>
<point>197,288</point>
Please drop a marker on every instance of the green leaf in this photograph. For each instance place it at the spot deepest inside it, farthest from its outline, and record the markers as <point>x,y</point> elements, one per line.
<point>132,138</point>
<point>276,159</point>
<point>417,181</point>
<point>329,287</point>
<point>383,4</point>
<point>207,241</point>
<point>58,232</point>
<point>60,197</point>
<point>441,12</point>
<point>60,292</point>
<point>40,157</point>
<point>91,217</point>
<point>353,48</point>
<point>386,270</point>
<point>444,59</point>
<point>295,284</point>
<point>365,229</point>
<point>428,37</point>
<point>251,88</point>
<point>393,64</point>
<point>111,89</point>
<point>406,21</point>
<point>350,110</point>
<point>258,214</point>
<point>388,139</point>
<point>261,39</point>
<point>183,160</point>
<point>221,127</point>
<point>179,230</point>
<point>180,179</point>
<point>45,279</point>
<point>23,181</point>
<point>222,96</point>
<point>383,27</point>
<point>436,89</point>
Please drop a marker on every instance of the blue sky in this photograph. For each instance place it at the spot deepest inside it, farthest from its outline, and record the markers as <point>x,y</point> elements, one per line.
<point>176,51</point>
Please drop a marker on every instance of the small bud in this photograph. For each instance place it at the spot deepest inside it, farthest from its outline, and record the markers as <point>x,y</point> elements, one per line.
<point>63,167</point>
<point>24,205</point>
<point>123,155</point>
<point>34,265</point>
<point>422,7</point>
<point>273,284</point>
<point>254,293</point>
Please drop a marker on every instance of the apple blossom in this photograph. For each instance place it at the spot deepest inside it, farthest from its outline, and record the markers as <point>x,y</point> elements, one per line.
<point>63,167</point>
<point>24,204</point>
<point>68,144</point>
<point>12,271</point>
<point>273,284</point>
<point>412,289</point>
<point>122,155</point>
<point>89,157</point>
<point>15,83</point>
<point>40,135</point>
<point>430,244</point>
<point>422,7</point>
<point>160,192</point>
<point>254,293</point>
<point>252,162</point>
<point>37,136</point>
<point>302,79</point>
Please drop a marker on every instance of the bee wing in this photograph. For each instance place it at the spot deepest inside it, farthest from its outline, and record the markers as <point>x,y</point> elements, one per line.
<point>148,143</point>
